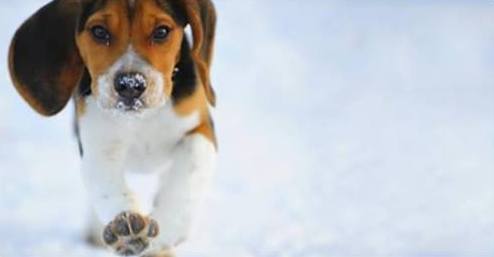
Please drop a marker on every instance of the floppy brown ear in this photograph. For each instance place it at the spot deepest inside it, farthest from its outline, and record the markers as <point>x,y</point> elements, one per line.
<point>201,16</point>
<point>44,62</point>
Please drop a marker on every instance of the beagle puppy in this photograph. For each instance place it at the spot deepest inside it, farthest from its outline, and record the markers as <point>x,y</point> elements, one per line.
<point>142,94</point>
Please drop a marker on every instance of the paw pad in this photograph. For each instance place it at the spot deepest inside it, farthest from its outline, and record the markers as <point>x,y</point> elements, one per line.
<point>130,233</point>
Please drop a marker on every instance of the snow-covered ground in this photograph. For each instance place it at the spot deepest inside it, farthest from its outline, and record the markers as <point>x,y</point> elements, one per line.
<point>346,128</point>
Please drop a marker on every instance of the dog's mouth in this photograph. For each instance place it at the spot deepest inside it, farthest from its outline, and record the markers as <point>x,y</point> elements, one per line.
<point>130,105</point>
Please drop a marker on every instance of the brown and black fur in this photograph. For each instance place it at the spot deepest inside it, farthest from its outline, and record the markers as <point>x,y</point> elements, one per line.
<point>48,68</point>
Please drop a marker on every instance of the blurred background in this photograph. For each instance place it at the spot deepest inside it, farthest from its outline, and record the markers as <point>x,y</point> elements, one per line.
<point>346,128</point>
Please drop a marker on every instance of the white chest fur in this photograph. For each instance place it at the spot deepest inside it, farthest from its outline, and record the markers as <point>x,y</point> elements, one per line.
<point>142,142</point>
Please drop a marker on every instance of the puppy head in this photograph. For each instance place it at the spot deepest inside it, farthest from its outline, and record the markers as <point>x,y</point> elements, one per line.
<point>130,50</point>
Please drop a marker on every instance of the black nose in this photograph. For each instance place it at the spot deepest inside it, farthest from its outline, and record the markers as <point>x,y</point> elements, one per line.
<point>130,85</point>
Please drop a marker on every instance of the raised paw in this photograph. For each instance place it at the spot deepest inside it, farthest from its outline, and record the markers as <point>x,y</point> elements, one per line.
<point>130,233</point>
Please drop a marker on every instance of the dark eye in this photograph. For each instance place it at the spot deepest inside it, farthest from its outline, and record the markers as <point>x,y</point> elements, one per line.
<point>160,33</point>
<point>101,34</point>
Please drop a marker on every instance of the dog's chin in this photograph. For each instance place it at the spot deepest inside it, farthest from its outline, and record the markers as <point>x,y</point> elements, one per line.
<point>134,108</point>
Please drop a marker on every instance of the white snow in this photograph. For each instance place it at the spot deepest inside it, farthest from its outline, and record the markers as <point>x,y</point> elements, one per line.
<point>346,128</point>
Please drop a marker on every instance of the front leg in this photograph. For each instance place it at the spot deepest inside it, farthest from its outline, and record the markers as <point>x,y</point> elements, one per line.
<point>127,231</point>
<point>183,188</point>
<point>104,181</point>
